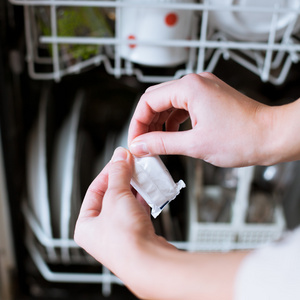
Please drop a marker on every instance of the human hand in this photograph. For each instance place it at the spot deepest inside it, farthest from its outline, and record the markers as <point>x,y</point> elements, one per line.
<point>114,224</point>
<point>228,128</point>
<point>114,227</point>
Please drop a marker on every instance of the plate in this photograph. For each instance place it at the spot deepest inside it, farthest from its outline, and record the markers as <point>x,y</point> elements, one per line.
<point>105,156</point>
<point>249,25</point>
<point>37,177</point>
<point>82,175</point>
<point>62,175</point>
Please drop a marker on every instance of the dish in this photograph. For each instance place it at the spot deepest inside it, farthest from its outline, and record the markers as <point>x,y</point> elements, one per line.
<point>82,175</point>
<point>247,25</point>
<point>81,179</point>
<point>154,25</point>
<point>62,176</point>
<point>105,156</point>
<point>37,178</point>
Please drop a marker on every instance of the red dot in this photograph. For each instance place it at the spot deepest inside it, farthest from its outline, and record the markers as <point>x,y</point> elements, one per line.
<point>171,19</point>
<point>131,37</point>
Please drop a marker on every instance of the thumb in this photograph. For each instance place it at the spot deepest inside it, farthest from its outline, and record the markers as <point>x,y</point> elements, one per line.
<point>161,143</point>
<point>120,170</point>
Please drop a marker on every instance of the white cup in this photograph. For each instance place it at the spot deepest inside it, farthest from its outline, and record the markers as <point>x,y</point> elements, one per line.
<point>154,24</point>
<point>247,25</point>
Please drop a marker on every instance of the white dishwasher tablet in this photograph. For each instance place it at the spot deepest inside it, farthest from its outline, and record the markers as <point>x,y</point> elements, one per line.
<point>153,182</point>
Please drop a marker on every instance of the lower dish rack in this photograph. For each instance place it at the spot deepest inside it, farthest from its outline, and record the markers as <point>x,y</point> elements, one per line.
<point>38,242</point>
<point>233,231</point>
<point>235,234</point>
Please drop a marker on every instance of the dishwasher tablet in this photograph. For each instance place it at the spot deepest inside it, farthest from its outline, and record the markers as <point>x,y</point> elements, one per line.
<point>153,182</point>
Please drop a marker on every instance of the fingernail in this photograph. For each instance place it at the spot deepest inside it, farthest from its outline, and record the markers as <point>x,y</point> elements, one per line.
<point>119,154</point>
<point>139,148</point>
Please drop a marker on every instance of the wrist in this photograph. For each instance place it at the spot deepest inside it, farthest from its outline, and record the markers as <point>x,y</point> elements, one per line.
<point>281,140</point>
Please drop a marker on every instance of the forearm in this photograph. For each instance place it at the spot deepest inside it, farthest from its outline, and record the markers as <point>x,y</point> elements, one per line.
<point>162,272</point>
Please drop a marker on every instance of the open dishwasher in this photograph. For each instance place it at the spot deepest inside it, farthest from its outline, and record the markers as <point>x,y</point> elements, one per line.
<point>73,74</point>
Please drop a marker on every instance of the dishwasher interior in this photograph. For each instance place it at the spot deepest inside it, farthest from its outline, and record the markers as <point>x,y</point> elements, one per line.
<point>71,74</point>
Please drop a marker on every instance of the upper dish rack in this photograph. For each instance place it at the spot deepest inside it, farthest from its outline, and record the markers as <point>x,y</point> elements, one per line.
<point>260,37</point>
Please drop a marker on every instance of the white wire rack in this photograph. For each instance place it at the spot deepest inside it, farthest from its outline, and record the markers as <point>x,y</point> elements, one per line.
<point>270,58</point>
<point>210,236</point>
<point>236,232</point>
<point>37,242</point>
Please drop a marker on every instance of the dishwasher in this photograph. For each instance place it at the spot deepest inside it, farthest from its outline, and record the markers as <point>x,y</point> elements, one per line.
<point>71,73</point>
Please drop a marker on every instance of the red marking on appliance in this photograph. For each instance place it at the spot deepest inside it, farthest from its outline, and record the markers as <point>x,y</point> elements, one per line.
<point>171,19</point>
<point>131,37</point>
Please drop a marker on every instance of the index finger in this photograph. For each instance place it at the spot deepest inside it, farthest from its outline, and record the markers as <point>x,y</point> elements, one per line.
<point>156,100</point>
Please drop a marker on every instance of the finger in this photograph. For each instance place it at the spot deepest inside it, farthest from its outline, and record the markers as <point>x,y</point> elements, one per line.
<point>120,171</point>
<point>160,98</point>
<point>162,143</point>
<point>92,202</point>
<point>153,102</point>
<point>176,118</point>
<point>160,120</point>
<point>160,85</point>
<point>143,203</point>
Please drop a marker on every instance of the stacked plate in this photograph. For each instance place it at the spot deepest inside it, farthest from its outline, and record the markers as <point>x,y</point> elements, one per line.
<point>58,174</point>
<point>37,179</point>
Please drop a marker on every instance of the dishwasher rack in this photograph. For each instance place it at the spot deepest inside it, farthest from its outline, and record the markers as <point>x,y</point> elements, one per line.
<point>236,234</point>
<point>235,231</point>
<point>270,58</point>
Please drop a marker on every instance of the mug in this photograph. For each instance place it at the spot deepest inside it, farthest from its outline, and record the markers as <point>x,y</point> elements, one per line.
<point>247,25</point>
<point>152,25</point>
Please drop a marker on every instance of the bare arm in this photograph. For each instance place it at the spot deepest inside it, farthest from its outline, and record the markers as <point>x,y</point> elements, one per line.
<point>166,273</point>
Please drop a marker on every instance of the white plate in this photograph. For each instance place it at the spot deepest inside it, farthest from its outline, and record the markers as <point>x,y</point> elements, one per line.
<point>82,175</point>
<point>62,175</point>
<point>105,156</point>
<point>246,25</point>
<point>84,165</point>
<point>37,179</point>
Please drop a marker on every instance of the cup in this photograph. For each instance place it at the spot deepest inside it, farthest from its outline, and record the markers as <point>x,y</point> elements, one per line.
<point>248,25</point>
<point>152,25</point>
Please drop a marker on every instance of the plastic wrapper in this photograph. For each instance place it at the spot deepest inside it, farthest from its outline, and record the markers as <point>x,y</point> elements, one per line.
<point>153,182</point>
